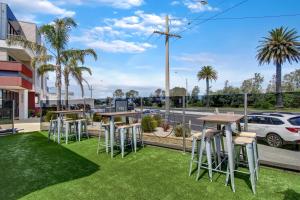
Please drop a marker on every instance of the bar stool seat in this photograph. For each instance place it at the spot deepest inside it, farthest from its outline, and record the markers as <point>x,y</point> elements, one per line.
<point>247,134</point>
<point>239,140</point>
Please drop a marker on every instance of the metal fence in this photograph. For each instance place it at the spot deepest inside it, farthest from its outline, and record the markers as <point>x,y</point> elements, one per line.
<point>6,117</point>
<point>173,128</point>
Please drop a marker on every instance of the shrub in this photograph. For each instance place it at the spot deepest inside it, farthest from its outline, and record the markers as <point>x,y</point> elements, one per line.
<point>165,126</point>
<point>158,119</point>
<point>118,119</point>
<point>72,116</point>
<point>263,105</point>
<point>179,131</point>
<point>49,115</point>
<point>149,124</point>
<point>97,117</point>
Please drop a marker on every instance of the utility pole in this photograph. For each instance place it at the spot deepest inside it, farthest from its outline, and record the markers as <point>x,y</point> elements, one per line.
<point>167,68</point>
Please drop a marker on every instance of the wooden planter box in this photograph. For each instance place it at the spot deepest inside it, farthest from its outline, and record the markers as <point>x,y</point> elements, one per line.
<point>167,141</point>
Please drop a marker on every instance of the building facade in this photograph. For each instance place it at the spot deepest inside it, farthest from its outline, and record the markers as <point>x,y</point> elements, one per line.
<point>18,80</point>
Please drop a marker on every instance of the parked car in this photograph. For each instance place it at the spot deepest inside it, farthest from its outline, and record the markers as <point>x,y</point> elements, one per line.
<point>151,111</point>
<point>276,128</point>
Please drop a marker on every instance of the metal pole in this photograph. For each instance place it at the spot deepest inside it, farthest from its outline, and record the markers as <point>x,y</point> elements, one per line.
<point>167,71</point>
<point>245,112</point>
<point>183,123</point>
<point>13,117</point>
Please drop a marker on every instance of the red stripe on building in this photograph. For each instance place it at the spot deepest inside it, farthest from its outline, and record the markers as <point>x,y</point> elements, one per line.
<point>15,82</point>
<point>15,67</point>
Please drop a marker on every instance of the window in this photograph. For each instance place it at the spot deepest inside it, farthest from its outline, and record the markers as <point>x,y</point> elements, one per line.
<point>259,120</point>
<point>295,121</point>
<point>276,121</point>
<point>11,59</point>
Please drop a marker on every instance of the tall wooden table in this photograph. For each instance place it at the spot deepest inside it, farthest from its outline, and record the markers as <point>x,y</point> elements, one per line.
<point>227,120</point>
<point>60,115</point>
<point>111,116</point>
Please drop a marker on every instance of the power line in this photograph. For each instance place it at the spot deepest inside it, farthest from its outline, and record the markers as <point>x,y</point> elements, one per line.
<point>251,17</point>
<point>214,16</point>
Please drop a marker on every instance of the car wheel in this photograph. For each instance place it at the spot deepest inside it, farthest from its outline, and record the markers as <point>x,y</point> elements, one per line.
<point>274,140</point>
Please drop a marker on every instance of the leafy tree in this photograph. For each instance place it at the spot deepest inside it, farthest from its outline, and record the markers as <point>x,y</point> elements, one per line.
<point>195,92</point>
<point>228,89</point>
<point>291,81</point>
<point>158,92</point>
<point>132,94</point>
<point>118,93</point>
<point>279,46</point>
<point>253,85</point>
<point>208,74</point>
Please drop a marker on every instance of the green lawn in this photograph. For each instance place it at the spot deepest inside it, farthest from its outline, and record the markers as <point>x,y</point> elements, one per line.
<point>32,168</point>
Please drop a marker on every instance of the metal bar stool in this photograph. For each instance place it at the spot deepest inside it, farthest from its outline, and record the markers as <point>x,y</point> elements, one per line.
<point>137,130</point>
<point>82,128</point>
<point>247,142</point>
<point>207,143</point>
<point>52,129</point>
<point>104,126</point>
<point>255,149</point>
<point>68,129</point>
<point>122,130</point>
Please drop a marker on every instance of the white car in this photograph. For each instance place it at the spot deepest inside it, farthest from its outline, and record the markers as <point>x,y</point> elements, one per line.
<point>276,128</point>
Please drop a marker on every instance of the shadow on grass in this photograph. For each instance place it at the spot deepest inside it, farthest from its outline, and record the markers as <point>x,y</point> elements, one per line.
<point>30,163</point>
<point>290,194</point>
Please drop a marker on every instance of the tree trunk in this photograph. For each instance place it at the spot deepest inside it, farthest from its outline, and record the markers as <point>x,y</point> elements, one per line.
<point>58,81</point>
<point>67,91</point>
<point>207,92</point>
<point>279,101</point>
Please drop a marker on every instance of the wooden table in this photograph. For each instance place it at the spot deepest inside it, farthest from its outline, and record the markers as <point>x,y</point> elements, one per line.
<point>112,116</point>
<point>60,115</point>
<point>227,120</point>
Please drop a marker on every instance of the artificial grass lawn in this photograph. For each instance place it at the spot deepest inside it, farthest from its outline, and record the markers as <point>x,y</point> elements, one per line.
<point>32,168</point>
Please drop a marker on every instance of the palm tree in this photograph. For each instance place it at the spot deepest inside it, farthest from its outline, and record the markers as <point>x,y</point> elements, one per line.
<point>207,73</point>
<point>71,59</point>
<point>57,36</point>
<point>279,46</point>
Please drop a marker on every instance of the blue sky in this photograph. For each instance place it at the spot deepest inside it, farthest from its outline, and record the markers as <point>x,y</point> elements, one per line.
<point>128,59</point>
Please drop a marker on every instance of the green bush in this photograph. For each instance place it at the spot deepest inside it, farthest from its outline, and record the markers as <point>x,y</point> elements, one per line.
<point>97,117</point>
<point>149,124</point>
<point>49,115</point>
<point>118,119</point>
<point>72,116</point>
<point>178,131</point>
<point>263,105</point>
<point>158,119</point>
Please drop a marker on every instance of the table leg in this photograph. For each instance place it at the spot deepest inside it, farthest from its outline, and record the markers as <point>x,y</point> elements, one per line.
<point>79,130</point>
<point>112,130</point>
<point>228,132</point>
<point>58,128</point>
<point>200,154</point>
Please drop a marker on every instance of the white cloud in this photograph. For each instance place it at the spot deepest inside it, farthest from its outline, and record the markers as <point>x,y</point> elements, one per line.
<point>121,4</point>
<point>103,38</point>
<point>175,3</point>
<point>197,6</point>
<point>125,35</point>
<point>25,10</point>
<point>142,23</point>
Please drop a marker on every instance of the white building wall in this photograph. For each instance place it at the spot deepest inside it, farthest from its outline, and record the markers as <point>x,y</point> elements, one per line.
<point>3,55</point>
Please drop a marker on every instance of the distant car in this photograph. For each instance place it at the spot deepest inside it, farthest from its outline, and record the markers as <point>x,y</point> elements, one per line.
<point>151,111</point>
<point>276,128</point>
